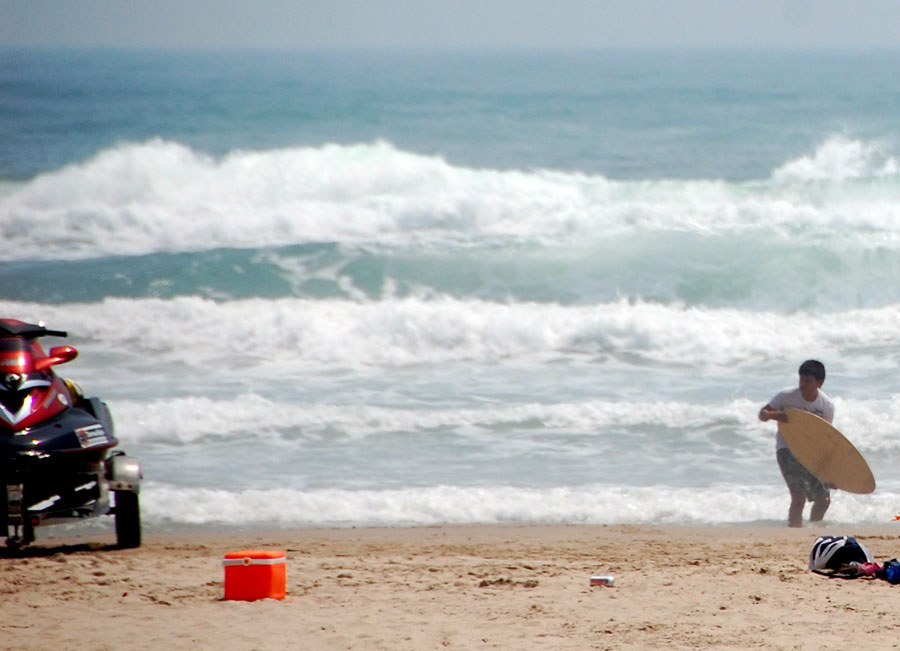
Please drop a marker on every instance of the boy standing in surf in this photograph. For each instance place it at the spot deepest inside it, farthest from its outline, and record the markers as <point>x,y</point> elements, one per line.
<point>802,484</point>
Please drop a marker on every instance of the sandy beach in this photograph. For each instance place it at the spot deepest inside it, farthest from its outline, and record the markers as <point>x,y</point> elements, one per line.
<point>454,587</point>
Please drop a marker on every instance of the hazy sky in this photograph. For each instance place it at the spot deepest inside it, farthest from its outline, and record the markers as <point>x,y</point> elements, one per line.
<point>452,23</point>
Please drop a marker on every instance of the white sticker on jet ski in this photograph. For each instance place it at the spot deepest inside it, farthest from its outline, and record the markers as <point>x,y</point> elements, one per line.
<point>91,435</point>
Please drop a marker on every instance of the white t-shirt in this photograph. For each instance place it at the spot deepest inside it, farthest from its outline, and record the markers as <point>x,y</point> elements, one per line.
<point>791,397</point>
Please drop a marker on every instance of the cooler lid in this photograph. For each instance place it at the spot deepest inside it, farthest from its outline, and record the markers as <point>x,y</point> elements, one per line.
<point>255,557</point>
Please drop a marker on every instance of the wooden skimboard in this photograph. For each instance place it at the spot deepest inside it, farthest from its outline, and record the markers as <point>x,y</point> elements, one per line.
<point>825,452</point>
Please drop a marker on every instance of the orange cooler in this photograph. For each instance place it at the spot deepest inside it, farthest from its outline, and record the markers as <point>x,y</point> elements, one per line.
<point>252,574</point>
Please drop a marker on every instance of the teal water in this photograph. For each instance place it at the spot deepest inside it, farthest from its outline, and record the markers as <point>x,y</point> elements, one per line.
<point>621,114</point>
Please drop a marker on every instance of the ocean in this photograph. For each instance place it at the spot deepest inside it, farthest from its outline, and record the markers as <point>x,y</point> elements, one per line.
<point>410,288</point>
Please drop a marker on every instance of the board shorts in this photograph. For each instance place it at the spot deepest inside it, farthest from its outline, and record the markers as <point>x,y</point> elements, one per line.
<point>798,478</point>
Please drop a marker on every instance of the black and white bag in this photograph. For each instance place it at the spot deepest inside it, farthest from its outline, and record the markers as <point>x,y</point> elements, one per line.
<point>838,555</point>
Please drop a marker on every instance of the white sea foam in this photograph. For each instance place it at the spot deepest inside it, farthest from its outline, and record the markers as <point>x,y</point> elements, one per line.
<point>720,504</point>
<point>874,425</point>
<point>840,158</point>
<point>162,196</point>
<point>300,333</point>
<point>185,420</point>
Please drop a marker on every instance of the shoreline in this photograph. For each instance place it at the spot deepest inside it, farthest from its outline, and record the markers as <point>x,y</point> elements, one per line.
<point>452,586</point>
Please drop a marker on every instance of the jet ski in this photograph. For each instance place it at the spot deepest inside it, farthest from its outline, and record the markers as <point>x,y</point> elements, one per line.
<point>58,456</point>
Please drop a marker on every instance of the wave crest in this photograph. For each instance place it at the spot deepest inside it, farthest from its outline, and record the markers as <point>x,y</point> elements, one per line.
<point>839,159</point>
<point>162,196</point>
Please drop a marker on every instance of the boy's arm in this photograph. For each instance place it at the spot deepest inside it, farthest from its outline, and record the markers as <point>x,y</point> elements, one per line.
<point>770,413</point>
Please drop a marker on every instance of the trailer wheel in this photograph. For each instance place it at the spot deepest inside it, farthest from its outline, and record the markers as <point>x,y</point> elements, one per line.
<point>128,519</point>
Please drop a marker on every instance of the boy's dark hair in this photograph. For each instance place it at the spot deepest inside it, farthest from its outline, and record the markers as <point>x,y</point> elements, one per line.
<point>813,367</point>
